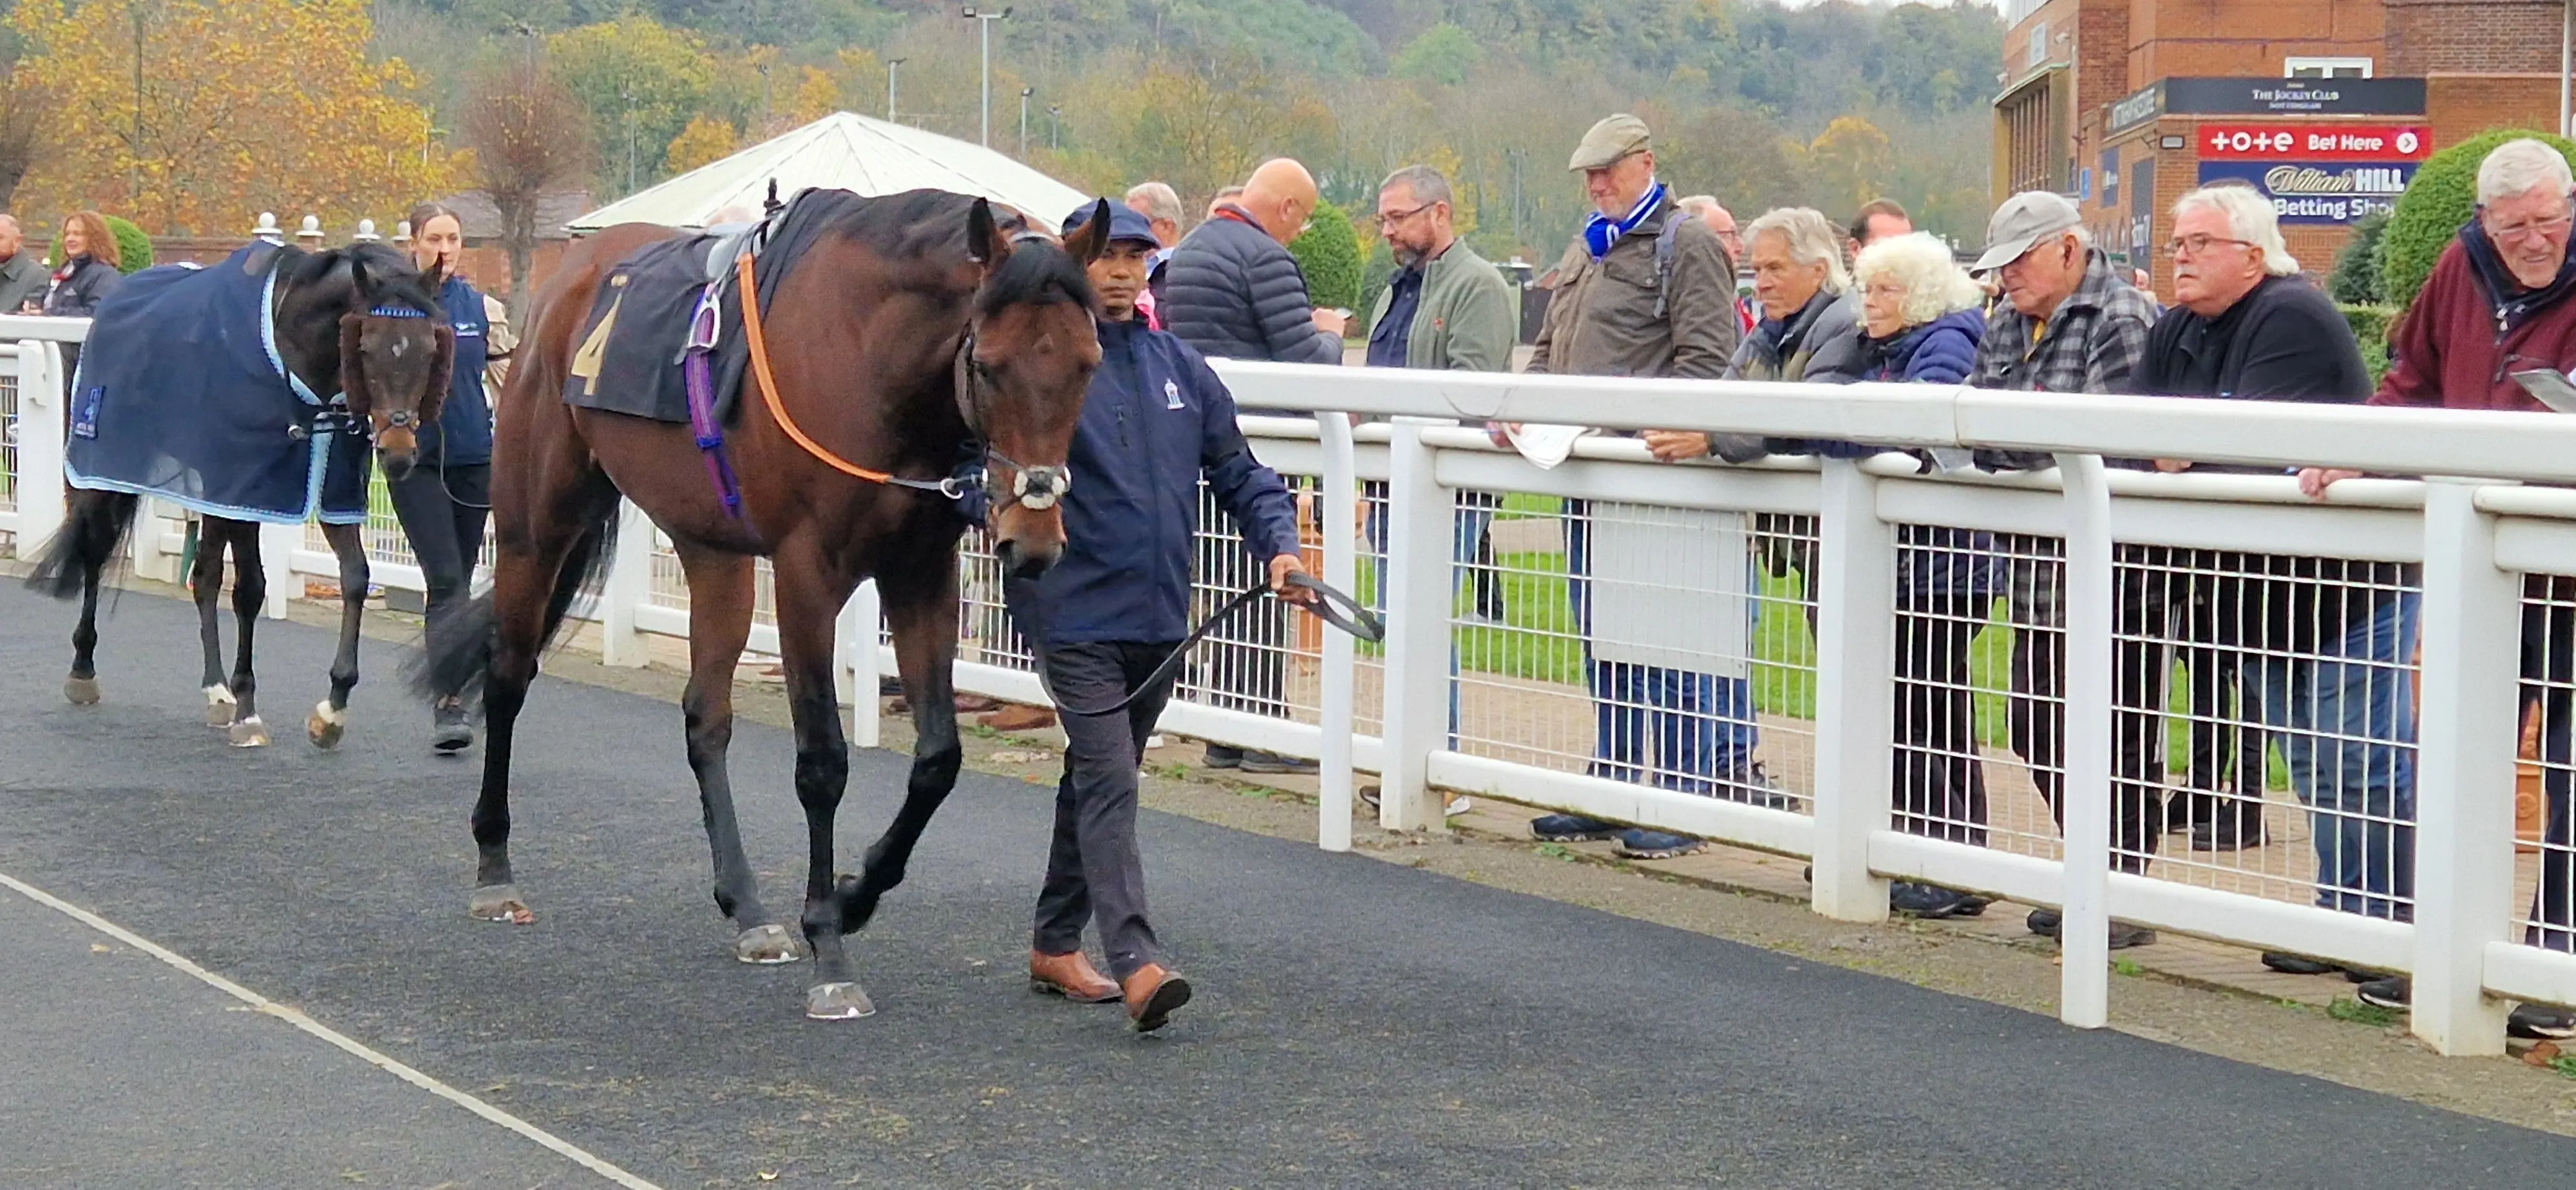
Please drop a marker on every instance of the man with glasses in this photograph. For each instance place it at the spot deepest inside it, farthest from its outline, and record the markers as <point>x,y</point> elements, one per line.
<point>2497,303</point>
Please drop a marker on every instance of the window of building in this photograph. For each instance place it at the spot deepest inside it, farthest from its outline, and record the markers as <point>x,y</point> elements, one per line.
<point>2039,43</point>
<point>2327,68</point>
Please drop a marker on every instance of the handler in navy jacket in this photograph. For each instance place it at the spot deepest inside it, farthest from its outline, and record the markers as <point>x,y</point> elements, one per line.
<point>1155,419</point>
<point>444,502</point>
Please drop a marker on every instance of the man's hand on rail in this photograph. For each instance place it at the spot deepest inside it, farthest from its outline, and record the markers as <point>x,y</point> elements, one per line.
<point>1672,446</point>
<point>2169,466</point>
<point>1281,566</point>
<point>2313,481</point>
<point>1501,432</point>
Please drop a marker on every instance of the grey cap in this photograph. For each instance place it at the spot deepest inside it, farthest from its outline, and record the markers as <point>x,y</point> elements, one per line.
<point>2024,219</point>
<point>1611,139</point>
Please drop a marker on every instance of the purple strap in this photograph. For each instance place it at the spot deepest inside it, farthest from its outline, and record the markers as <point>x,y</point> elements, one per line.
<point>702,409</point>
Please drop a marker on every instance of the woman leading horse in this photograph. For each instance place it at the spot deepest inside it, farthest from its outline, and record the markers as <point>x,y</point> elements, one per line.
<point>902,332</point>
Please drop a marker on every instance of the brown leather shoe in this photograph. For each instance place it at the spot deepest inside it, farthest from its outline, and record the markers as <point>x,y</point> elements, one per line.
<point>1152,995</point>
<point>1071,976</point>
<point>1019,718</point>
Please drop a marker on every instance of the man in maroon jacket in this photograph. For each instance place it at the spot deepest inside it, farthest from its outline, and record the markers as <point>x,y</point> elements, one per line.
<point>2498,302</point>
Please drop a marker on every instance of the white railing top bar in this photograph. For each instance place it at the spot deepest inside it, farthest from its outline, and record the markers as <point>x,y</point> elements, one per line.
<point>14,327</point>
<point>2529,446</point>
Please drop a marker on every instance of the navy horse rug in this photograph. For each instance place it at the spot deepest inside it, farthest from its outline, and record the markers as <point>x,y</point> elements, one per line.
<point>181,395</point>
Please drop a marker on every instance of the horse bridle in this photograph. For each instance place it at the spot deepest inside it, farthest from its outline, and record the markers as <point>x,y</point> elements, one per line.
<point>1036,488</point>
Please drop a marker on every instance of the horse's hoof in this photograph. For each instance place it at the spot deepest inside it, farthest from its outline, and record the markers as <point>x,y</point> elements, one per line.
<point>219,706</point>
<point>249,733</point>
<point>768,946</point>
<point>325,726</point>
<point>837,1002</point>
<point>499,902</point>
<point>81,692</point>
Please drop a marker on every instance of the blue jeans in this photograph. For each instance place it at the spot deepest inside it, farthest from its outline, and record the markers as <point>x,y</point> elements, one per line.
<point>1466,539</point>
<point>1701,726</point>
<point>2346,722</point>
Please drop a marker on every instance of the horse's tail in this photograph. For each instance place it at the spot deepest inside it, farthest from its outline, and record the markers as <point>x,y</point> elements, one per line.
<point>457,653</point>
<point>88,538</point>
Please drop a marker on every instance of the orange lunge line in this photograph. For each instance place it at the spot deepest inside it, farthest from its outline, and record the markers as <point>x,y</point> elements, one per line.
<point>769,388</point>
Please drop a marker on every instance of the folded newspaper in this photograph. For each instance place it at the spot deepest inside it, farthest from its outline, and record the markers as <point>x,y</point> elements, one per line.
<point>1545,445</point>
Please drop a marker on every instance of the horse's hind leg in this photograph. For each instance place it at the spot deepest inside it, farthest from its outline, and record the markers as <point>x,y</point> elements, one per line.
<point>720,603</point>
<point>809,605</point>
<point>330,717</point>
<point>250,591</point>
<point>81,688</point>
<point>206,586</point>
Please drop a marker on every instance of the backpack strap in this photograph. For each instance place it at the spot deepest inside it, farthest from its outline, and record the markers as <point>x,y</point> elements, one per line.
<point>1664,238</point>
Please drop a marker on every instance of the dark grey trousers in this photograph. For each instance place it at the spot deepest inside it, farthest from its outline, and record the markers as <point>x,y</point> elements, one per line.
<point>1093,871</point>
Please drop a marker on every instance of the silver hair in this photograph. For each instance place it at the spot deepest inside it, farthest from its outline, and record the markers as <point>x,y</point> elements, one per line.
<point>1161,202</point>
<point>1812,239</point>
<point>2518,167</point>
<point>2250,218</point>
<point>1934,283</point>
<point>1423,182</point>
<point>1697,204</point>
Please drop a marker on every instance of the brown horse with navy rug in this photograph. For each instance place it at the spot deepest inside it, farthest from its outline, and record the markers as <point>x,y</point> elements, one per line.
<point>873,344</point>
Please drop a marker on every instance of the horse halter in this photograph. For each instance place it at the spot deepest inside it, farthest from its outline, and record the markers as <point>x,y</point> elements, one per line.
<point>400,419</point>
<point>1034,488</point>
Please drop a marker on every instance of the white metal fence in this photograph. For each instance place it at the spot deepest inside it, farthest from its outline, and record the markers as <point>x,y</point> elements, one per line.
<point>2269,721</point>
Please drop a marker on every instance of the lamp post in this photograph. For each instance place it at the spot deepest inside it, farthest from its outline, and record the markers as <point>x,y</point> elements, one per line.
<point>984,18</point>
<point>1024,120</point>
<point>628,93</point>
<point>1055,123</point>
<point>764,96</point>
<point>893,65</point>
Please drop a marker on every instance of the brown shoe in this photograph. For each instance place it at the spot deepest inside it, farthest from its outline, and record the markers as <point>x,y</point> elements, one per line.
<point>1071,976</point>
<point>1019,718</point>
<point>1152,995</point>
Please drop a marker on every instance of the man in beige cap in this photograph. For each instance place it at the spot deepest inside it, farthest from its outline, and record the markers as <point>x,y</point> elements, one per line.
<point>1647,290</point>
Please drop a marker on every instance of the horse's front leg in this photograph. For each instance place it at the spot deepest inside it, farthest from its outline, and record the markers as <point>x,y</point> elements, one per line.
<point>250,591</point>
<point>921,608</point>
<point>330,717</point>
<point>206,586</point>
<point>809,603</point>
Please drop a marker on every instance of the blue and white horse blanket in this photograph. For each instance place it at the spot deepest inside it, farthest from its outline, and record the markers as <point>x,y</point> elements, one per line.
<point>181,395</point>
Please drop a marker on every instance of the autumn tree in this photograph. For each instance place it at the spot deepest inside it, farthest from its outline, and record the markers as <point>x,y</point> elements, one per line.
<point>26,117</point>
<point>235,106</point>
<point>529,136</point>
<point>641,82</point>
<point>1850,159</point>
<point>707,138</point>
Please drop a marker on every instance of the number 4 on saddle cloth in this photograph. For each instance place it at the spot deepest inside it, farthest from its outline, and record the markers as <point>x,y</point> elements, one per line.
<point>181,395</point>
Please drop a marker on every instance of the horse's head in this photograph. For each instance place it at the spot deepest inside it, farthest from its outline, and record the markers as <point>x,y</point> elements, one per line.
<point>1029,354</point>
<point>396,352</point>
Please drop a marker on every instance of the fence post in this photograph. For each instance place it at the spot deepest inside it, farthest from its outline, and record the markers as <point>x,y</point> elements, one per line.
<point>277,546</point>
<point>1855,590</point>
<point>2464,771</point>
<point>1417,632</point>
<point>2084,929</point>
<point>630,581</point>
<point>855,640</point>
<point>40,445</point>
<point>1341,654</point>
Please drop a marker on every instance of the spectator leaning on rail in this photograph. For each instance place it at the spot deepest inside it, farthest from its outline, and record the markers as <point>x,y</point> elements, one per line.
<point>2069,324</point>
<point>2498,302</point>
<point>2323,641</point>
<point>1646,292</point>
<point>1921,322</point>
<point>1161,207</point>
<point>1233,290</point>
<point>22,276</point>
<point>1154,422</point>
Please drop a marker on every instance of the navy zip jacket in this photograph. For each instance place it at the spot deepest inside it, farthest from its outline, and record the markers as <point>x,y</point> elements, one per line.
<point>462,436</point>
<point>1155,418</point>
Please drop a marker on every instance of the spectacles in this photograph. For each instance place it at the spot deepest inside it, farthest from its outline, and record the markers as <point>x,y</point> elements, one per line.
<point>2198,244</point>
<point>1391,218</point>
<point>2550,228</point>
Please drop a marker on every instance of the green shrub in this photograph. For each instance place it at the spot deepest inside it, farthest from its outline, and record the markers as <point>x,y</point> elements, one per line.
<point>2440,199</point>
<point>1329,254</point>
<point>2371,326</point>
<point>133,247</point>
<point>2355,280</point>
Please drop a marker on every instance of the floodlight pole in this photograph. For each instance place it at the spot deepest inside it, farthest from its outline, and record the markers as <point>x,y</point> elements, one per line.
<point>893,65</point>
<point>985,18</point>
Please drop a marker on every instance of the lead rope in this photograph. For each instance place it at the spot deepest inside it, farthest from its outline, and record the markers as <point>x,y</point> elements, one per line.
<point>1358,621</point>
<point>759,346</point>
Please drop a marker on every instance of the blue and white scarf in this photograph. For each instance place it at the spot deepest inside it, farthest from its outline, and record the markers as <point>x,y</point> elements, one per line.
<point>1599,233</point>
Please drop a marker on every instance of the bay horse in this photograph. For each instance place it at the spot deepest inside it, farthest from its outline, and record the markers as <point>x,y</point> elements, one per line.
<point>359,321</point>
<point>913,328</point>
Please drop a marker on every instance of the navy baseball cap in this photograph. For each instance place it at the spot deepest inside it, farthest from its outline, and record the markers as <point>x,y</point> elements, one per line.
<point>1124,224</point>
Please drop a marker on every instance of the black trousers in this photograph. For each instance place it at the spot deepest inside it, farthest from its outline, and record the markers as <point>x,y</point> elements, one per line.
<point>2145,594</point>
<point>1094,873</point>
<point>1940,785</point>
<point>443,517</point>
<point>2548,670</point>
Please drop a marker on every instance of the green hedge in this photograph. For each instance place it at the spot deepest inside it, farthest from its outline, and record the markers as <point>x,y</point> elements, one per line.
<point>133,247</point>
<point>2355,279</point>
<point>2371,325</point>
<point>2440,199</point>
<point>1329,253</point>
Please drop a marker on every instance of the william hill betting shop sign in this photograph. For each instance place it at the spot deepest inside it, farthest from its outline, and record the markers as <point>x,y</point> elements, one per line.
<point>2325,151</point>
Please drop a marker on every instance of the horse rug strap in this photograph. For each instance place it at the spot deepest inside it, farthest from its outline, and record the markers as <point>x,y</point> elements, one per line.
<point>647,314</point>
<point>182,395</point>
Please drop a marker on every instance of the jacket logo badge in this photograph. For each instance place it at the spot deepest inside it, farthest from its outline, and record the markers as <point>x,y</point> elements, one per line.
<point>1172,396</point>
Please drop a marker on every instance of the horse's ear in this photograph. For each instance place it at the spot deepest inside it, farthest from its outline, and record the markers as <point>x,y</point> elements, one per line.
<point>985,243</point>
<point>1087,244</point>
<point>353,375</point>
<point>442,369</point>
<point>362,280</point>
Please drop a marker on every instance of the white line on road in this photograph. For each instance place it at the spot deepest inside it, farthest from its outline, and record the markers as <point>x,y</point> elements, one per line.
<point>263,1004</point>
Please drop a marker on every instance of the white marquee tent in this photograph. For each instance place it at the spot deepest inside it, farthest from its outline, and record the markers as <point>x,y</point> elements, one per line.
<point>850,152</point>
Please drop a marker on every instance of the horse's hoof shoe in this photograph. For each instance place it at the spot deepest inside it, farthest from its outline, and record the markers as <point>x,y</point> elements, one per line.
<point>325,726</point>
<point>81,692</point>
<point>499,902</point>
<point>249,733</point>
<point>837,1002</point>
<point>768,946</point>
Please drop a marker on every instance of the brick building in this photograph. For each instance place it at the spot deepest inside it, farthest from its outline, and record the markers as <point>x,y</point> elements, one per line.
<point>2324,104</point>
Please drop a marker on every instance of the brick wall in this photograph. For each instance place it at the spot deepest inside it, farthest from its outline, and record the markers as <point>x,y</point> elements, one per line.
<point>2101,55</point>
<point>2426,37</point>
<point>2239,38</point>
<point>2460,106</point>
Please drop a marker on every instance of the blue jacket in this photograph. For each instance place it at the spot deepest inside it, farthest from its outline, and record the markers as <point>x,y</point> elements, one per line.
<point>463,432</point>
<point>1155,419</point>
<point>1931,560</point>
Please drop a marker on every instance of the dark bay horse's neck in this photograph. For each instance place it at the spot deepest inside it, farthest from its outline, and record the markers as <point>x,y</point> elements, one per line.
<point>307,318</point>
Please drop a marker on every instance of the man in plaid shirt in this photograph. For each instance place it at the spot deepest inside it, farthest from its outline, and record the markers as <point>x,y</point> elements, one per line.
<point>2068,324</point>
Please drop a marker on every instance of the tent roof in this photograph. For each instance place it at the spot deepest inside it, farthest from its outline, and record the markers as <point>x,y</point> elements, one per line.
<point>845,151</point>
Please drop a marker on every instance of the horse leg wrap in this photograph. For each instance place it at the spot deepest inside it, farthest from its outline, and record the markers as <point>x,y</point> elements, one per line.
<point>219,706</point>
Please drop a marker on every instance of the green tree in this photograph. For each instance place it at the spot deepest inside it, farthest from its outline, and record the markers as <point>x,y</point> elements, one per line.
<point>2355,281</point>
<point>641,81</point>
<point>1443,54</point>
<point>1329,253</point>
<point>2436,203</point>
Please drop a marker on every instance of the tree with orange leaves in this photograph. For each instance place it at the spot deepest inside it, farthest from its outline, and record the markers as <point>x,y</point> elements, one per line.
<point>234,107</point>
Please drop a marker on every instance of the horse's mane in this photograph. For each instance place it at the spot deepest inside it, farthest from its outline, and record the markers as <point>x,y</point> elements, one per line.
<point>389,272</point>
<point>931,225</point>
